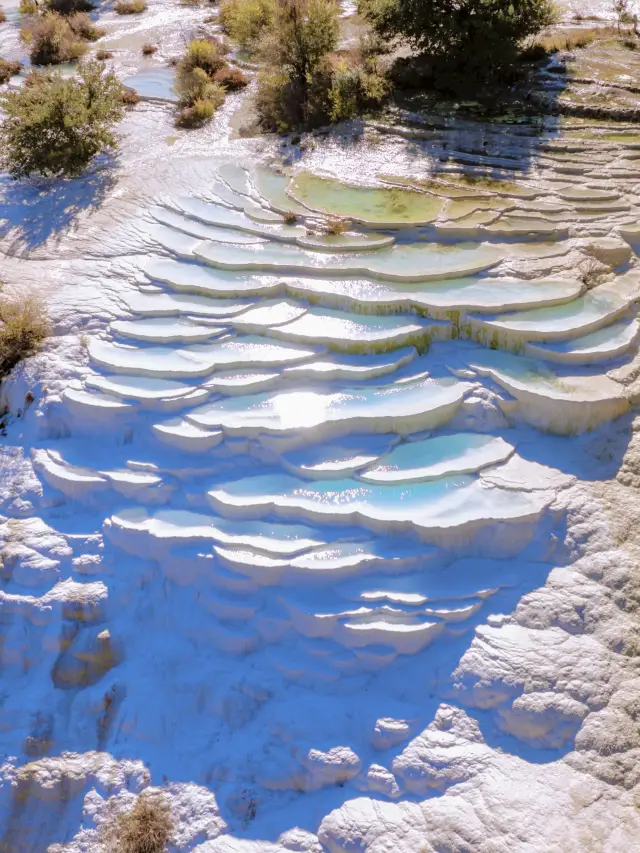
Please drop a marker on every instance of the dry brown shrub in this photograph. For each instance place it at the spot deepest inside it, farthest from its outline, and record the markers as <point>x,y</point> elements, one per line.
<point>130,7</point>
<point>145,829</point>
<point>8,69</point>
<point>23,328</point>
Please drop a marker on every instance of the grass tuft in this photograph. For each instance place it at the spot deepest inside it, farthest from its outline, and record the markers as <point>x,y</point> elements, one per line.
<point>335,226</point>
<point>149,49</point>
<point>145,829</point>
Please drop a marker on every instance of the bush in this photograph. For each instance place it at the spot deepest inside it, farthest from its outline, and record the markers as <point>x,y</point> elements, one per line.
<point>204,54</point>
<point>23,327</point>
<point>245,21</point>
<point>353,89</point>
<point>475,38</point>
<point>28,7</point>
<point>8,69</point>
<point>145,829</point>
<point>55,126</point>
<point>68,7</point>
<point>129,97</point>
<point>295,91</point>
<point>53,41</point>
<point>83,26</point>
<point>3,15</point>
<point>232,79</point>
<point>197,115</point>
<point>130,7</point>
<point>104,54</point>
<point>149,49</point>
<point>196,85</point>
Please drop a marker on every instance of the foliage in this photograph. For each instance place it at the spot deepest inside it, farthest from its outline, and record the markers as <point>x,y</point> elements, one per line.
<point>23,327</point>
<point>3,15</point>
<point>68,7</point>
<point>197,115</point>
<point>130,7</point>
<point>104,54</point>
<point>52,40</point>
<point>55,126</point>
<point>145,829</point>
<point>302,34</point>
<point>354,87</point>
<point>28,7</point>
<point>295,89</point>
<point>83,26</point>
<point>7,69</point>
<point>622,11</point>
<point>232,79</point>
<point>204,54</point>
<point>196,85</point>
<point>474,38</point>
<point>245,21</point>
<point>306,84</point>
<point>149,49</point>
<point>129,97</point>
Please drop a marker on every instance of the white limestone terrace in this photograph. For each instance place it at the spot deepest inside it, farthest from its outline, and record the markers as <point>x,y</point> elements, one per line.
<point>317,532</point>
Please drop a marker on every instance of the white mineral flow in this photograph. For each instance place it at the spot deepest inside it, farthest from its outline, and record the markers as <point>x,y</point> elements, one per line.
<point>315,531</point>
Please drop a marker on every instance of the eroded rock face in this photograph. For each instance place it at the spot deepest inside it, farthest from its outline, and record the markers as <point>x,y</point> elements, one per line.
<point>306,534</point>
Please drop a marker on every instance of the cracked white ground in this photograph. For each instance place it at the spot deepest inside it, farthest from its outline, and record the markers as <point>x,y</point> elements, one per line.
<point>332,540</point>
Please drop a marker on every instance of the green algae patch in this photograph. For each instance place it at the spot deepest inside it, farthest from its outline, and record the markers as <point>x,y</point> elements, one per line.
<point>382,206</point>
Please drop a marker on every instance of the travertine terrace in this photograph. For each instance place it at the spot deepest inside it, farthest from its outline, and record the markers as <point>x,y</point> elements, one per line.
<point>331,537</point>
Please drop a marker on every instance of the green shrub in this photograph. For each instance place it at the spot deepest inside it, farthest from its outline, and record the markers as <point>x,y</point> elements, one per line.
<point>232,79</point>
<point>53,41</point>
<point>245,21</point>
<point>473,38</point>
<point>198,114</point>
<point>28,7</point>
<point>355,88</point>
<point>204,54</point>
<point>195,85</point>
<point>130,7</point>
<point>55,127</point>
<point>8,69</point>
<point>23,328</point>
<point>294,91</point>
<point>303,33</point>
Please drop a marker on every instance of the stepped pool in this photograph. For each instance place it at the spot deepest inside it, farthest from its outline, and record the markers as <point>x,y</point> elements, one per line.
<point>339,377</point>
<point>334,436</point>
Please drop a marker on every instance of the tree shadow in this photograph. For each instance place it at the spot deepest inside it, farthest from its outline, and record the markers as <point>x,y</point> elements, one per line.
<point>32,211</point>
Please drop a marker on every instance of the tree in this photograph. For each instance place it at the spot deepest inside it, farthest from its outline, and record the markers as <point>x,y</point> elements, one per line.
<point>294,91</point>
<point>479,35</point>
<point>55,127</point>
<point>303,33</point>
